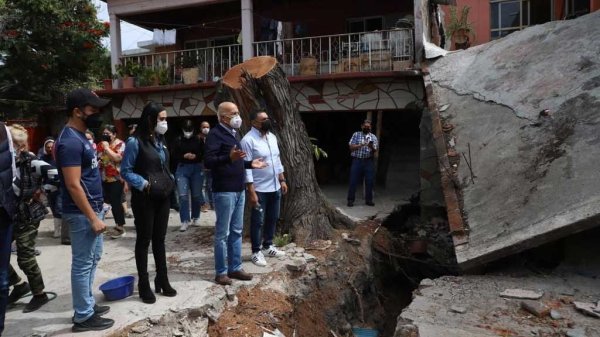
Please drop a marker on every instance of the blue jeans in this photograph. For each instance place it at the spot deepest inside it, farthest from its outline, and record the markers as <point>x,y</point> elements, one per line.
<point>229,210</point>
<point>189,179</point>
<point>208,187</point>
<point>55,203</point>
<point>6,236</point>
<point>86,250</point>
<point>361,169</point>
<point>268,214</point>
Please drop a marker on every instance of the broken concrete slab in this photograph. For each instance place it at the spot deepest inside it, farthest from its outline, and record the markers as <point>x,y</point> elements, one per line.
<point>535,178</point>
<point>521,294</point>
<point>539,309</point>
<point>586,308</point>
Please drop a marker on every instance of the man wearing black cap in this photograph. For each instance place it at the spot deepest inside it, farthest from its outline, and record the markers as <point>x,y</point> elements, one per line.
<point>82,205</point>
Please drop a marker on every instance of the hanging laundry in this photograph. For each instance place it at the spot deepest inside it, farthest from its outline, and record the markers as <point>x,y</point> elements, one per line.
<point>158,37</point>
<point>163,37</point>
<point>170,36</point>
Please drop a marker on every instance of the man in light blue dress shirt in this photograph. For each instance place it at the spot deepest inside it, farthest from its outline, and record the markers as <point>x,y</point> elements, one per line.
<point>265,187</point>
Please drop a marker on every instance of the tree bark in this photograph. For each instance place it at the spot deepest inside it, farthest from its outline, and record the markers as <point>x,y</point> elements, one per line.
<point>260,84</point>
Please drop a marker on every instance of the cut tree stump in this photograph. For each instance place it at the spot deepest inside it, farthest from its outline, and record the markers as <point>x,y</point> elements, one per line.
<point>260,84</point>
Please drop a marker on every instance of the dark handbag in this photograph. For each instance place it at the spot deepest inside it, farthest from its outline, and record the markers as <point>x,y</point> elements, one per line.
<point>30,213</point>
<point>161,185</point>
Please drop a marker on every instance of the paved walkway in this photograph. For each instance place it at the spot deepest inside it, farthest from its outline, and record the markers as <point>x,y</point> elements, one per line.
<point>191,270</point>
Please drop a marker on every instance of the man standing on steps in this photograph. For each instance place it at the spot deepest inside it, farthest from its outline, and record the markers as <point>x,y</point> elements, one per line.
<point>82,205</point>
<point>225,159</point>
<point>363,146</point>
<point>265,187</point>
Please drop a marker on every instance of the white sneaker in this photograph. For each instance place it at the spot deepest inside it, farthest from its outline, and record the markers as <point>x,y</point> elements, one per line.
<point>195,222</point>
<point>273,252</point>
<point>259,259</point>
<point>184,226</point>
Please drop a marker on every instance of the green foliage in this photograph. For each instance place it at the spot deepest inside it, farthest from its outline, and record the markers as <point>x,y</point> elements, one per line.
<point>129,69</point>
<point>457,23</point>
<point>158,75</point>
<point>281,240</point>
<point>316,150</point>
<point>47,48</point>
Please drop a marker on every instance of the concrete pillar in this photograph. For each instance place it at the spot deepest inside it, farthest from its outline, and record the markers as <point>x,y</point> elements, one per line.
<point>247,29</point>
<point>115,44</point>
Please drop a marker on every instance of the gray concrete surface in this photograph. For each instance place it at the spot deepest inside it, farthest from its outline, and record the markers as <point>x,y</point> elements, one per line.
<point>191,271</point>
<point>488,314</point>
<point>536,178</point>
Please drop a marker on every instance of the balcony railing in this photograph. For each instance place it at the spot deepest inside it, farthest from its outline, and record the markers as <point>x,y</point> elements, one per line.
<point>370,51</point>
<point>212,62</point>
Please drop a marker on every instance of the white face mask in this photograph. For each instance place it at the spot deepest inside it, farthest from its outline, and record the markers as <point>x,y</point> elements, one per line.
<point>205,131</point>
<point>161,127</point>
<point>236,122</point>
<point>91,141</point>
<point>188,134</point>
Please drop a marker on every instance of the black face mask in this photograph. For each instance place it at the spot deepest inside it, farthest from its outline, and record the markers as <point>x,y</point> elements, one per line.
<point>366,130</point>
<point>93,122</point>
<point>106,138</point>
<point>266,126</point>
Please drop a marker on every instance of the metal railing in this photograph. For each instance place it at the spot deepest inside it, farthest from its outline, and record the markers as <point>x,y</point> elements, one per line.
<point>369,51</point>
<point>212,62</point>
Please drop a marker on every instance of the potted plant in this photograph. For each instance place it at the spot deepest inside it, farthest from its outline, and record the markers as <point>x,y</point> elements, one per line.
<point>459,29</point>
<point>189,64</point>
<point>128,71</point>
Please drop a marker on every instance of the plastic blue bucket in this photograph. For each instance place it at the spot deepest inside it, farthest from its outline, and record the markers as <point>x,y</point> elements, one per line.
<point>118,288</point>
<point>364,332</point>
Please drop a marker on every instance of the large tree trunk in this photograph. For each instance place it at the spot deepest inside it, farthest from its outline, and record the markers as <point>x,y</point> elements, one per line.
<point>260,83</point>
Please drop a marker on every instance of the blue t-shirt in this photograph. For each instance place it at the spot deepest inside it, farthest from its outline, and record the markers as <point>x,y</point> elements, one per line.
<point>73,149</point>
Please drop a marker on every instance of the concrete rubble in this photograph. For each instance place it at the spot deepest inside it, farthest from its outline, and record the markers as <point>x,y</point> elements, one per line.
<point>519,120</point>
<point>486,314</point>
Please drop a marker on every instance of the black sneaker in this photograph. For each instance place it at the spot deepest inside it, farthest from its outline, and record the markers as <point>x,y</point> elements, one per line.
<point>36,302</point>
<point>94,323</point>
<point>350,203</point>
<point>18,291</point>
<point>101,310</point>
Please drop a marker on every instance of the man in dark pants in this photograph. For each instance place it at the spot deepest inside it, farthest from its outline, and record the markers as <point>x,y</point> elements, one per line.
<point>226,162</point>
<point>7,210</point>
<point>363,146</point>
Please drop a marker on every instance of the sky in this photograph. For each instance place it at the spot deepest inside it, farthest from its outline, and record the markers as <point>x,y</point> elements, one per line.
<point>130,34</point>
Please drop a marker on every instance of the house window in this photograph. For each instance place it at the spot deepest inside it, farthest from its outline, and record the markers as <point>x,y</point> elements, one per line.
<point>368,24</point>
<point>508,16</point>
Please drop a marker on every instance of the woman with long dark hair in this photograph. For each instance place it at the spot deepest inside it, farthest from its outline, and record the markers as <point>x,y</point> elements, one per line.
<point>145,167</point>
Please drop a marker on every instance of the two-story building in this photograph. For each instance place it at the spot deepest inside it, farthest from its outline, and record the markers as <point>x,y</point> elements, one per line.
<point>345,62</point>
